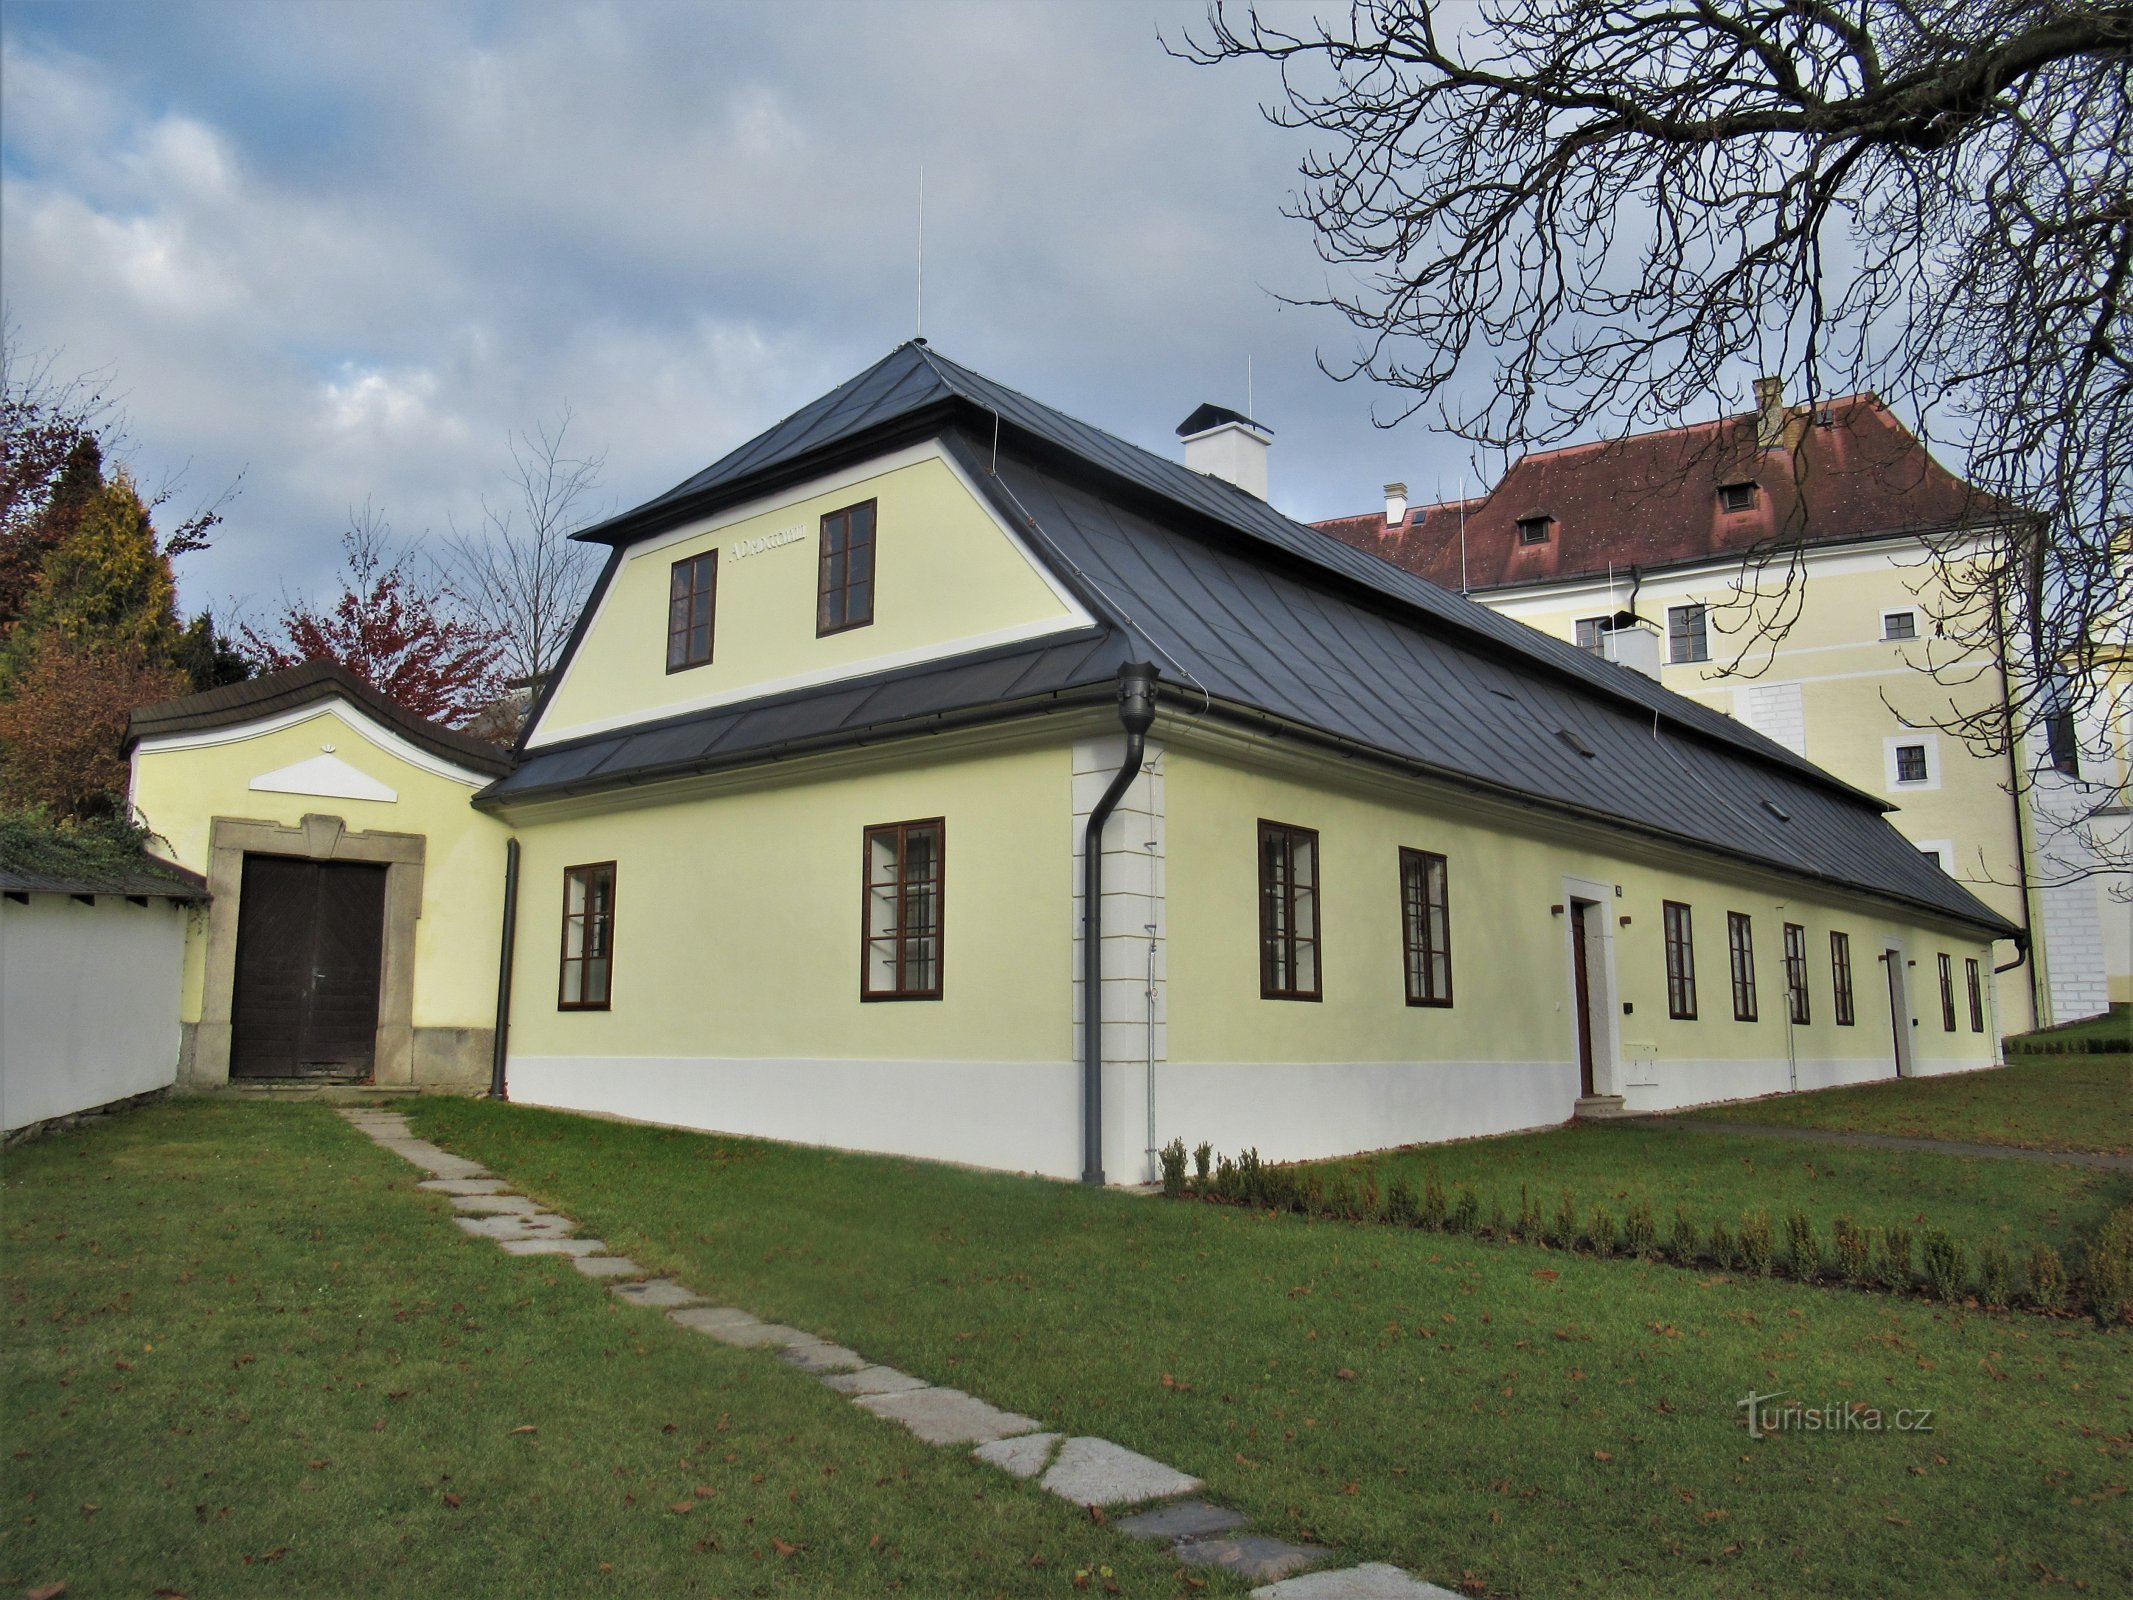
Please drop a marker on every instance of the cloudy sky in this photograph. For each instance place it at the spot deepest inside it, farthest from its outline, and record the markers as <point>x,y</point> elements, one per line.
<point>345,249</point>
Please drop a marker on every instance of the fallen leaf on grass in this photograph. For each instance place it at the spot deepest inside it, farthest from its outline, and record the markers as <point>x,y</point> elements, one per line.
<point>1901,1522</point>
<point>784,1549</point>
<point>1345,1374</point>
<point>452,1500</point>
<point>526,1428</point>
<point>51,1591</point>
<point>705,1491</point>
<point>682,1508</point>
<point>90,1508</point>
<point>1547,1274</point>
<point>319,1463</point>
<point>1602,1455</point>
<point>169,1594</point>
<point>1096,1515</point>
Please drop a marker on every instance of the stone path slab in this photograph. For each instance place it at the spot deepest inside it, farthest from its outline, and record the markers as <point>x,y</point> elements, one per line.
<point>819,1355</point>
<point>946,1416</point>
<point>1375,1581</point>
<point>1096,1472</point>
<point>1187,1519</point>
<point>702,1319</point>
<point>874,1380</point>
<point>1021,1457</point>
<point>553,1247</point>
<point>661,1292</point>
<point>494,1205</point>
<point>464,1185</point>
<point>541,1225</point>
<point>607,1266</point>
<point>1256,1557</point>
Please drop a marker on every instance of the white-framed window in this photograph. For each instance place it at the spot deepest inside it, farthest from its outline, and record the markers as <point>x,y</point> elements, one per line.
<point>1911,761</point>
<point>1896,626</point>
<point>1688,636</point>
<point>1592,634</point>
<point>1941,852</point>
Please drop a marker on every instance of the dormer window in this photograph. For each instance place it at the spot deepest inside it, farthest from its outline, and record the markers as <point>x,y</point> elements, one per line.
<point>1736,497</point>
<point>1535,530</point>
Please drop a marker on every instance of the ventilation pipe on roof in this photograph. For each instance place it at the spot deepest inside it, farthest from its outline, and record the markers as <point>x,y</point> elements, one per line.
<point>1395,504</point>
<point>1136,712</point>
<point>1229,445</point>
<point>1769,411</point>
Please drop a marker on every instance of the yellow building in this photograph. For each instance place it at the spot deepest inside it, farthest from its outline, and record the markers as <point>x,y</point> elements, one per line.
<point>800,825</point>
<point>1781,567</point>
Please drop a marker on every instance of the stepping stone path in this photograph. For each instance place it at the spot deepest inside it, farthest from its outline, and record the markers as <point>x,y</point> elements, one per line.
<point>1084,1471</point>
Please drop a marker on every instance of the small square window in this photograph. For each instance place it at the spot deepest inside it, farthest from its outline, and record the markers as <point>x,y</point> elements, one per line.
<point>1688,635</point>
<point>1737,497</point>
<point>1910,763</point>
<point>1592,634</point>
<point>1899,625</point>
<point>1535,530</point>
<point>1932,856</point>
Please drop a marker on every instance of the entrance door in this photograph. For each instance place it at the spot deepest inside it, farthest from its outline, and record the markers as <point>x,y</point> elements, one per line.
<point>310,938</point>
<point>1899,1012</point>
<point>1583,996</point>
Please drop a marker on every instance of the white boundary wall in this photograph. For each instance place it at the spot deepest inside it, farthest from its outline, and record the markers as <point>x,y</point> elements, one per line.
<point>88,1003</point>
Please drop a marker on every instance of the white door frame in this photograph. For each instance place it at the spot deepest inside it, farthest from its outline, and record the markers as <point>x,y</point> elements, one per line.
<point>1896,987</point>
<point>1603,992</point>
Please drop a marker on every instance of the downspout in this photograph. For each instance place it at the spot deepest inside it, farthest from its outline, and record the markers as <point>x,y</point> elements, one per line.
<point>502,1038</point>
<point>2014,790</point>
<point>1136,712</point>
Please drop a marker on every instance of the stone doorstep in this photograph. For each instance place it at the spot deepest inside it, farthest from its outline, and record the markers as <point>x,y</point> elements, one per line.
<point>657,1292</point>
<point>1374,1581</point>
<point>820,1355</point>
<point>874,1380</point>
<point>464,1185</point>
<point>495,1205</point>
<point>607,1266</point>
<point>946,1416</point>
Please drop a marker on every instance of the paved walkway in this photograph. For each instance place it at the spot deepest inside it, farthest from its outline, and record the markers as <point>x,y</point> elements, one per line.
<point>1893,1141</point>
<point>1084,1471</point>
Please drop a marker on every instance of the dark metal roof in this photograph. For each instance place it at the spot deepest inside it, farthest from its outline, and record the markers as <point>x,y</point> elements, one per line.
<point>138,879</point>
<point>1209,415</point>
<point>916,388</point>
<point>301,686</point>
<point>1353,667</point>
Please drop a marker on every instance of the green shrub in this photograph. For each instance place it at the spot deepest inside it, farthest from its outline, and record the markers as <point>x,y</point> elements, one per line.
<point>1340,1196</point>
<point>1848,1239</point>
<point>1496,1222</point>
<point>1639,1231</point>
<point>1401,1206</point>
<point>1466,1211</point>
<point>1284,1190</point>
<point>1203,1155</point>
<point>1894,1266</point>
<point>1722,1250</point>
<point>1757,1253</point>
<point>1531,1225</point>
<point>1600,1231</point>
<point>2108,1266</point>
<point>1803,1251</point>
<point>1995,1273</point>
<point>1433,1208</point>
<point>1172,1156</point>
<point>1226,1179</point>
<point>1681,1243</point>
<point>1946,1270</point>
<point>1251,1177</point>
<point>1369,1199</point>
<point>1563,1230</point>
<point>2047,1278</point>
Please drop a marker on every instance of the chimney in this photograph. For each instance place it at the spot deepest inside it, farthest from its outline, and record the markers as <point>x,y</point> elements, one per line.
<point>1229,445</point>
<point>1395,504</point>
<point>1769,412</point>
<point>1633,643</point>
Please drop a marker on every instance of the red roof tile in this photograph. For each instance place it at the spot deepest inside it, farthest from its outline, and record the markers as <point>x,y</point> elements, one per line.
<point>1653,500</point>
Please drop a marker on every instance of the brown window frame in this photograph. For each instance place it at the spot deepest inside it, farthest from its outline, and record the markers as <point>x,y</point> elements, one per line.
<point>603,919</point>
<point>1288,938</point>
<point>901,887</point>
<point>1740,964</point>
<point>1420,951</point>
<point>1947,992</point>
<point>1971,980</point>
<point>824,558</point>
<point>1678,923</point>
<point>1840,976</point>
<point>679,629</point>
<point>1535,530</point>
<point>1748,493</point>
<point>1799,1005</point>
<point>1924,774</point>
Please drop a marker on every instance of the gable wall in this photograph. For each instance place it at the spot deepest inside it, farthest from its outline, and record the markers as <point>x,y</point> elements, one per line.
<point>949,578</point>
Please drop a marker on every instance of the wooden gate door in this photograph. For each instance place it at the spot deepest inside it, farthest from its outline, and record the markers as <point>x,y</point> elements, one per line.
<point>310,942</point>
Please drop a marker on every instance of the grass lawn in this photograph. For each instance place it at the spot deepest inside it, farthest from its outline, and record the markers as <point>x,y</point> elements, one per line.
<point>1538,1425</point>
<point>246,1357</point>
<point>2045,1102</point>
<point>2116,1023</point>
<point>1718,1177</point>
